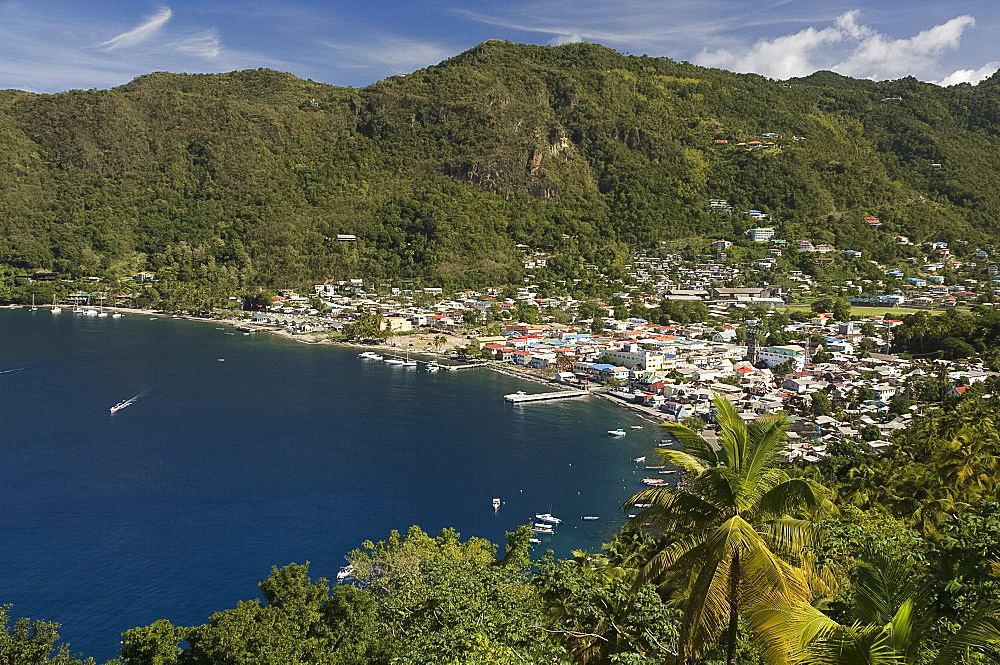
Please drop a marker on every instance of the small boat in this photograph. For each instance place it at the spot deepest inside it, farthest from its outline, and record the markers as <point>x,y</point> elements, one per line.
<point>654,482</point>
<point>345,574</point>
<point>221,360</point>
<point>542,528</point>
<point>409,363</point>
<point>548,518</point>
<point>55,308</point>
<point>78,310</point>
<point>617,432</point>
<point>393,361</point>
<point>632,516</point>
<point>635,426</point>
<point>656,467</point>
<point>590,517</point>
<point>91,312</point>
<point>33,308</point>
<point>640,459</point>
<point>374,356</point>
<point>534,541</point>
<point>433,367</point>
<point>668,471</point>
<point>642,505</point>
<point>496,504</point>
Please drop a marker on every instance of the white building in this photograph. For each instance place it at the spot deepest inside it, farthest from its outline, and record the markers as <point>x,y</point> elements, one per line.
<point>772,356</point>
<point>761,234</point>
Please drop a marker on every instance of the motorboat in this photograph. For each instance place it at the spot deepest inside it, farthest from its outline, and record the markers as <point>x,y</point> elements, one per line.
<point>617,432</point>
<point>590,517</point>
<point>639,460</point>
<point>394,361</point>
<point>635,427</point>
<point>534,541</point>
<point>496,504</point>
<point>345,574</point>
<point>548,518</point>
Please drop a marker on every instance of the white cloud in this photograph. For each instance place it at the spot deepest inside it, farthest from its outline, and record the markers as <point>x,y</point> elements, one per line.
<point>139,33</point>
<point>847,47</point>
<point>970,75</point>
<point>203,45</point>
<point>399,55</point>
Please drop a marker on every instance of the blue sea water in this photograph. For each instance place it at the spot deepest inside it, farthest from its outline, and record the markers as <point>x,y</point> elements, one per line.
<point>176,506</point>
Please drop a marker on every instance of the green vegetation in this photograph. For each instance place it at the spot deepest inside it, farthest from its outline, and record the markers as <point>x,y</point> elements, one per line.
<point>220,184</point>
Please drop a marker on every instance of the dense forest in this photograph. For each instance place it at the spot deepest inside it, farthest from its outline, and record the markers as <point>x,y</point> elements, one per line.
<point>239,180</point>
<point>863,559</point>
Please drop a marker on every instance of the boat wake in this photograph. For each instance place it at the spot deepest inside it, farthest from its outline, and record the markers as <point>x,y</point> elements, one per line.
<point>128,402</point>
<point>16,369</point>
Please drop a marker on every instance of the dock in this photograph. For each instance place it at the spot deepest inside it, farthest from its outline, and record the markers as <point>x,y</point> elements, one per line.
<point>520,398</point>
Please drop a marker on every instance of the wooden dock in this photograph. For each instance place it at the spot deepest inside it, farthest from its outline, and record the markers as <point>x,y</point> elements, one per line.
<point>520,398</point>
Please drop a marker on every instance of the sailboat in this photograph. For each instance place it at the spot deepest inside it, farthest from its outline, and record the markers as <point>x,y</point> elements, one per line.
<point>33,308</point>
<point>55,308</point>
<point>115,314</point>
<point>101,312</point>
<point>408,362</point>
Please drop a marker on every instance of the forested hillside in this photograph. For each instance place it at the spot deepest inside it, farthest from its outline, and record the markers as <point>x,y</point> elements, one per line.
<point>245,179</point>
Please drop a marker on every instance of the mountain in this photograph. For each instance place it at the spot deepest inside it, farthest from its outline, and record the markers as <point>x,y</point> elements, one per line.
<point>244,179</point>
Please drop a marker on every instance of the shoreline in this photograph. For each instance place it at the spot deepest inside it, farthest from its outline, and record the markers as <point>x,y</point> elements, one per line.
<point>312,338</point>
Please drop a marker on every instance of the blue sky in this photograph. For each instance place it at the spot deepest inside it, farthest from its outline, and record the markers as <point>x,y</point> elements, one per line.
<point>47,46</point>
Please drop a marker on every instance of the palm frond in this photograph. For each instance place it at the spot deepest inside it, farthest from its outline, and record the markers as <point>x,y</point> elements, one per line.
<point>980,635</point>
<point>693,443</point>
<point>783,630</point>
<point>682,461</point>
<point>732,433</point>
<point>787,535</point>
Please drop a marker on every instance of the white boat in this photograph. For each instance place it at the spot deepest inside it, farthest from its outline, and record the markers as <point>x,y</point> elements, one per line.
<point>55,308</point>
<point>639,459</point>
<point>590,517</point>
<point>409,363</point>
<point>33,308</point>
<point>534,541</point>
<point>543,528</point>
<point>617,432</point>
<point>496,504</point>
<point>374,356</point>
<point>433,367</point>
<point>635,426</point>
<point>78,310</point>
<point>548,518</point>
<point>100,311</point>
<point>345,574</point>
<point>393,361</point>
<point>91,312</point>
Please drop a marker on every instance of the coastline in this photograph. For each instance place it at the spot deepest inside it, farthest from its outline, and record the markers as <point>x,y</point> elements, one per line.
<point>314,338</point>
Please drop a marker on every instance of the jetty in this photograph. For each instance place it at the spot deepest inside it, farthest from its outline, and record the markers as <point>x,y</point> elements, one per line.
<point>520,397</point>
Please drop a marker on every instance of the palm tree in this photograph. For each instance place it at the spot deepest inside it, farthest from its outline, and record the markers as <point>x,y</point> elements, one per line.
<point>729,528</point>
<point>891,616</point>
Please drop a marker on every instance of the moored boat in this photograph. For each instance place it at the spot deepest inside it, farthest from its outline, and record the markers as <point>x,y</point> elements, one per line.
<point>616,432</point>
<point>548,518</point>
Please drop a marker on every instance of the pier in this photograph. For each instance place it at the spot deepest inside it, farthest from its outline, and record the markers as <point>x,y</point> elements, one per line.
<point>519,397</point>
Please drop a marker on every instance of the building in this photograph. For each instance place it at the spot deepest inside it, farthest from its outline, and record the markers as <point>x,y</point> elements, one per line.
<point>772,356</point>
<point>761,234</point>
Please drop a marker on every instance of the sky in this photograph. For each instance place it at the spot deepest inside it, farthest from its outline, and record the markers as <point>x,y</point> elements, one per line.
<point>50,46</point>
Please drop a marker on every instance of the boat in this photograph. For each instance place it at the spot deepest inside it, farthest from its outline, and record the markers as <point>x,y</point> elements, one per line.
<point>221,360</point>
<point>635,426</point>
<point>374,356</point>
<point>496,504</point>
<point>543,528</point>
<point>590,517</point>
<point>669,471</point>
<point>345,574</point>
<point>617,432</point>
<point>660,466</point>
<point>642,505</point>
<point>408,362</point>
<point>370,354</point>
<point>548,518</point>
<point>100,311</point>
<point>534,541</point>
<point>433,367</point>
<point>393,361</point>
<point>654,482</point>
<point>33,308</point>
<point>639,460</point>
<point>55,308</point>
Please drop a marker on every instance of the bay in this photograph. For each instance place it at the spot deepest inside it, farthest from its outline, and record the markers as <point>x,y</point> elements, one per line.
<point>177,505</point>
